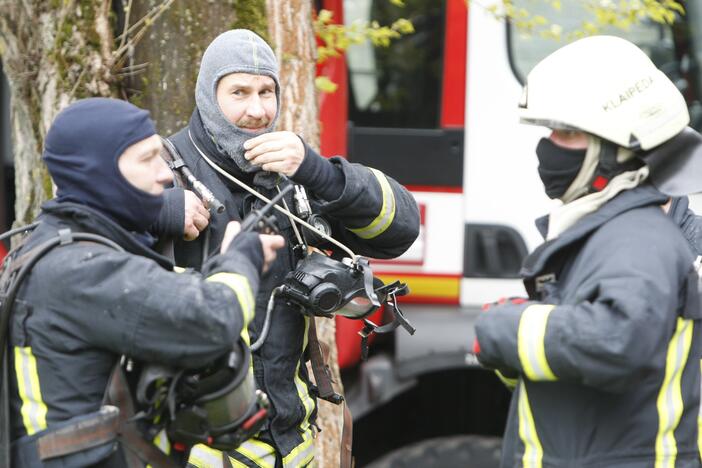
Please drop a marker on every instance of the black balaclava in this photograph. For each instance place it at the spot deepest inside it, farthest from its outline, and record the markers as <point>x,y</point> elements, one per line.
<point>81,151</point>
<point>558,166</point>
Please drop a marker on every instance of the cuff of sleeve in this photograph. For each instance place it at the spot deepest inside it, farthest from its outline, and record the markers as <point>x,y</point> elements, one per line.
<point>249,245</point>
<point>497,331</point>
<point>171,219</point>
<point>319,175</point>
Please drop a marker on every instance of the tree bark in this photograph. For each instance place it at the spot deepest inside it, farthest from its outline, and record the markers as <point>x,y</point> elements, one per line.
<point>292,35</point>
<point>164,65</point>
<point>52,53</point>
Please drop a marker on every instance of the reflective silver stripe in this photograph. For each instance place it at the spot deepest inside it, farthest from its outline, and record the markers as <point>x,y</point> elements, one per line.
<point>530,342</point>
<point>33,408</point>
<point>670,403</point>
<point>202,456</point>
<point>258,452</point>
<point>533,452</point>
<point>302,454</point>
<point>387,212</point>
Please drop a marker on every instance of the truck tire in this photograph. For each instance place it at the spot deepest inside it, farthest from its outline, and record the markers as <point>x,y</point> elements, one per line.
<point>464,451</point>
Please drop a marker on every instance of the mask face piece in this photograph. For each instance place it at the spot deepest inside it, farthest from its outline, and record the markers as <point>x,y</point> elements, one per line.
<point>558,166</point>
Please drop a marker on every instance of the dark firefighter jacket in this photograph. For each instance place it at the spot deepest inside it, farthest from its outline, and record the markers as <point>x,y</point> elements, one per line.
<point>385,221</point>
<point>690,223</point>
<point>608,348</point>
<point>84,305</point>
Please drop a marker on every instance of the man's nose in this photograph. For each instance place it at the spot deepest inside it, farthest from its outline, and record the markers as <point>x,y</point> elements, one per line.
<point>254,108</point>
<point>164,176</point>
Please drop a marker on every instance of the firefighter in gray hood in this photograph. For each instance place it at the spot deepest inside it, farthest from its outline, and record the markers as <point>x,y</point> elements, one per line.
<point>605,354</point>
<point>101,295</point>
<point>231,139</point>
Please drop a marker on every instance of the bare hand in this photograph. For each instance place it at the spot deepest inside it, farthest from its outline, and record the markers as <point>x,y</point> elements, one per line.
<point>269,243</point>
<point>197,217</point>
<point>280,152</point>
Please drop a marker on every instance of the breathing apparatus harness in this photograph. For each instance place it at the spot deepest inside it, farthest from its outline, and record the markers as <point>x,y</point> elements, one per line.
<point>320,285</point>
<point>218,406</point>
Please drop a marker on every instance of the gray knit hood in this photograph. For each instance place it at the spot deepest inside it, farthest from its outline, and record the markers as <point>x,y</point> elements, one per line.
<point>235,51</point>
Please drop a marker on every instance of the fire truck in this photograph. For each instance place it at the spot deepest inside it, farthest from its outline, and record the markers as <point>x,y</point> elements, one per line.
<point>437,111</point>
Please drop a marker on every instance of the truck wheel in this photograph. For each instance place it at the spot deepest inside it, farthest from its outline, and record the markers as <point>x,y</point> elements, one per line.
<point>465,451</point>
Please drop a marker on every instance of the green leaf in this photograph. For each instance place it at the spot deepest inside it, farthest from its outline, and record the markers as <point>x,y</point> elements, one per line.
<point>325,85</point>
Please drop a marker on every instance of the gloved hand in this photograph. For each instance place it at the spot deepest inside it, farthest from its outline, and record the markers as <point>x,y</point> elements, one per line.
<point>489,305</point>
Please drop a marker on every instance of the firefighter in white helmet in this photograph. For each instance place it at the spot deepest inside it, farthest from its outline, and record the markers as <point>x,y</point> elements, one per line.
<point>606,352</point>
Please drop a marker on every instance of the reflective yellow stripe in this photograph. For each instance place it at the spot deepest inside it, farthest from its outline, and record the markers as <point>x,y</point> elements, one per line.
<point>161,441</point>
<point>302,454</point>
<point>387,212</point>
<point>241,287</point>
<point>670,403</point>
<point>302,390</point>
<point>202,456</point>
<point>530,342</point>
<point>509,382</point>
<point>236,463</point>
<point>177,269</point>
<point>533,452</point>
<point>33,407</point>
<point>258,452</point>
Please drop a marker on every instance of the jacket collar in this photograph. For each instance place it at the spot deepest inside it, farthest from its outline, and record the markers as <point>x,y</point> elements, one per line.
<point>81,218</point>
<point>644,195</point>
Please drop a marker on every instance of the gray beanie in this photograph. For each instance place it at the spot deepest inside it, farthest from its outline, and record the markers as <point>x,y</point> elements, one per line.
<point>235,51</point>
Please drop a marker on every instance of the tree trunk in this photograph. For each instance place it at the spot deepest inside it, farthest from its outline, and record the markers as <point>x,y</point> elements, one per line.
<point>291,34</point>
<point>164,65</point>
<point>52,53</point>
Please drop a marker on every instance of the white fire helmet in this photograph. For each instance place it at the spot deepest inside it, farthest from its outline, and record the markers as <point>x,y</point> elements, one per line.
<point>608,87</point>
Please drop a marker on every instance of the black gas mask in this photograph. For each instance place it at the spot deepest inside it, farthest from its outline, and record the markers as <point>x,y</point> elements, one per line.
<point>323,286</point>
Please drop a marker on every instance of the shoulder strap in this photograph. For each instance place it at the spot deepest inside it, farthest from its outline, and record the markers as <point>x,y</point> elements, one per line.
<point>14,270</point>
<point>320,369</point>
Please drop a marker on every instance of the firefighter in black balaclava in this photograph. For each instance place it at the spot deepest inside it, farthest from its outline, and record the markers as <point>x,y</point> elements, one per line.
<point>605,353</point>
<point>87,305</point>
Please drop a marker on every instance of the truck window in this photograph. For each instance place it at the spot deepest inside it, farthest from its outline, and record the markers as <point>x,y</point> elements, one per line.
<point>399,85</point>
<point>672,48</point>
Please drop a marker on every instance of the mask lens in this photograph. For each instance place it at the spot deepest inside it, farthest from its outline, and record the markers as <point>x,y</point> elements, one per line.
<point>357,307</point>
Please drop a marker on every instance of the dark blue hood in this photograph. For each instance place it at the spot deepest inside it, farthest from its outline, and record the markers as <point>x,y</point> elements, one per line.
<point>81,151</point>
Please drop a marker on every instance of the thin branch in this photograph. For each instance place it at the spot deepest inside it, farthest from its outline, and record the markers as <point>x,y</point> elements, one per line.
<point>76,84</point>
<point>148,20</point>
<point>154,13</point>
<point>128,10</point>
